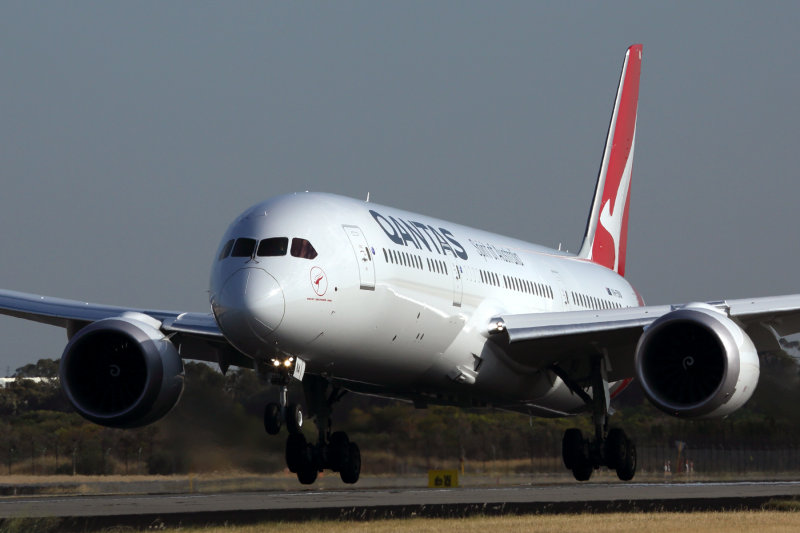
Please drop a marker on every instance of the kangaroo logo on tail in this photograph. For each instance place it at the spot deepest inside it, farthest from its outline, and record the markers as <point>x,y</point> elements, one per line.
<point>606,234</point>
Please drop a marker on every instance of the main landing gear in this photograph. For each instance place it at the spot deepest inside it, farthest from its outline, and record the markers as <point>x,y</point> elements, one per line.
<point>610,448</point>
<point>333,451</point>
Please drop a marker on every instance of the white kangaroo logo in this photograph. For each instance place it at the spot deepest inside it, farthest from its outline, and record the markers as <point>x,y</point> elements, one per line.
<point>612,221</point>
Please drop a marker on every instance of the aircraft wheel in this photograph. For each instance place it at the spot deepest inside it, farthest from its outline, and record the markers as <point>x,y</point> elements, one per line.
<point>272,418</point>
<point>308,473</point>
<point>351,470</point>
<point>573,449</point>
<point>294,418</point>
<point>582,472</point>
<point>616,449</point>
<point>297,455</point>
<point>627,469</point>
<point>338,451</point>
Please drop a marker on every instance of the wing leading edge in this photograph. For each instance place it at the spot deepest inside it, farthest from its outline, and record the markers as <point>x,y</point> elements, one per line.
<point>539,340</point>
<point>196,335</point>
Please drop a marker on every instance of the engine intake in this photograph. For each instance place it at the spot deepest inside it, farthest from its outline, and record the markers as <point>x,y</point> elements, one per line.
<point>122,372</point>
<point>695,362</point>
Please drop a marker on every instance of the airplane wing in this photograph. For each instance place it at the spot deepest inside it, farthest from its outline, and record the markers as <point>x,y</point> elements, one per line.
<point>196,335</point>
<point>542,339</point>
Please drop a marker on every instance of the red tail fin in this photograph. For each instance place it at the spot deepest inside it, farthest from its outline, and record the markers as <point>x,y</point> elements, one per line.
<point>606,234</point>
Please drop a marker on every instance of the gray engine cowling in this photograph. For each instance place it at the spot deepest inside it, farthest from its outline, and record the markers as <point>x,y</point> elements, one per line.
<point>122,372</point>
<point>695,362</point>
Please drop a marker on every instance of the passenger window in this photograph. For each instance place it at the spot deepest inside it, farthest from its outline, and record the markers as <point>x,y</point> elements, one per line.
<point>226,249</point>
<point>273,247</point>
<point>303,249</point>
<point>243,248</point>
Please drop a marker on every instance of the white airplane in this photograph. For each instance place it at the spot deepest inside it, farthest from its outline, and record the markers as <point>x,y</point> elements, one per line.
<point>346,295</point>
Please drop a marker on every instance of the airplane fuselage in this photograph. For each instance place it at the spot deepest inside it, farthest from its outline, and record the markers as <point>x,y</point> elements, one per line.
<point>386,300</point>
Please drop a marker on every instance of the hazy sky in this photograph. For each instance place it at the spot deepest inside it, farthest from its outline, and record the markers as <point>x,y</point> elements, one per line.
<point>131,134</point>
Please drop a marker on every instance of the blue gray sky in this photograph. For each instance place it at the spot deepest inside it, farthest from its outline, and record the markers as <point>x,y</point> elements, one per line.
<point>131,134</point>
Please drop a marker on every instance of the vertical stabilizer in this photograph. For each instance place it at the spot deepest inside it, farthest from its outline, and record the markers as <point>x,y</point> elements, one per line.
<point>607,228</point>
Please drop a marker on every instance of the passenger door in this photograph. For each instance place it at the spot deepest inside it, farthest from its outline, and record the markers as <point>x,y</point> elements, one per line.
<point>366,270</point>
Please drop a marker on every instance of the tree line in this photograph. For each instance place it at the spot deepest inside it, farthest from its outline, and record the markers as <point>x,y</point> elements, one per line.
<point>217,426</point>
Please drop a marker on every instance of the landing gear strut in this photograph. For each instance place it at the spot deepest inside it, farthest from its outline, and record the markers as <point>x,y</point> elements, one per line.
<point>333,450</point>
<point>611,448</point>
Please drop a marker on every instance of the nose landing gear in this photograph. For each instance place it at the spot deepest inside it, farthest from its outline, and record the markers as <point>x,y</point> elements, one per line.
<point>277,414</point>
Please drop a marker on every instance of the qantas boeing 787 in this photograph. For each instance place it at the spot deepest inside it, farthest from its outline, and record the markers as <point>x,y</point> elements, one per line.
<point>344,295</point>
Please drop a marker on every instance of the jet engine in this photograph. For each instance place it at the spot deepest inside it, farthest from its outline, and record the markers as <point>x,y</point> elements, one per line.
<point>695,362</point>
<point>122,372</point>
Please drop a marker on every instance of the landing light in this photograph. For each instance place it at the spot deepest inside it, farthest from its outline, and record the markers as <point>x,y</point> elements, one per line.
<point>287,363</point>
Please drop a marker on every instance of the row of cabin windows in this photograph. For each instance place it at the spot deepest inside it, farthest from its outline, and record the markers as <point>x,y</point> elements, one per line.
<point>531,287</point>
<point>413,261</point>
<point>435,265</point>
<point>490,278</point>
<point>272,247</point>
<point>591,302</point>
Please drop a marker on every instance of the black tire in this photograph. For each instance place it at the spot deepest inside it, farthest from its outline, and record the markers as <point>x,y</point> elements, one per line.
<point>297,456</point>
<point>616,449</point>
<point>582,472</point>
<point>307,475</point>
<point>338,451</point>
<point>573,449</point>
<point>272,418</point>
<point>627,470</point>
<point>294,418</point>
<point>352,468</point>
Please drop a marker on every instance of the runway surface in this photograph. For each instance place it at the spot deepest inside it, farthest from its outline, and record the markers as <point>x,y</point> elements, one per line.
<point>248,507</point>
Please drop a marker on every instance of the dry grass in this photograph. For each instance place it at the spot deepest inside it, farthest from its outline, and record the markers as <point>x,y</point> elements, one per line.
<point>22,479</point>
<point>718,522</point>
<point>722,522</point>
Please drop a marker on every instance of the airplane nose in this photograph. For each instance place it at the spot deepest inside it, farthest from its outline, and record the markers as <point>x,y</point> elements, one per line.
<point>249,308</point>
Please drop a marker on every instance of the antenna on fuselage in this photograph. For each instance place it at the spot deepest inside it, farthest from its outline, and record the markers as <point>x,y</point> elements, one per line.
<point>367,196</point>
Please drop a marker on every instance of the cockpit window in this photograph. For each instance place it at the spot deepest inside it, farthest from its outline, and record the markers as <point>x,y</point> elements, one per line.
<point>226,249</point>
<point>243,248</point>
<point>273,247</point>
<point>302,248</point>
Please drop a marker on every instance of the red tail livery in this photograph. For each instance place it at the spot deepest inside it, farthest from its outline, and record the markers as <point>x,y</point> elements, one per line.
<point>607,228</point>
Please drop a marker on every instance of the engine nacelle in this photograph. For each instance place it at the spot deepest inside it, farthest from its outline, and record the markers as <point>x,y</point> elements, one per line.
<point>122,372</point>
<point>695,362</point>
